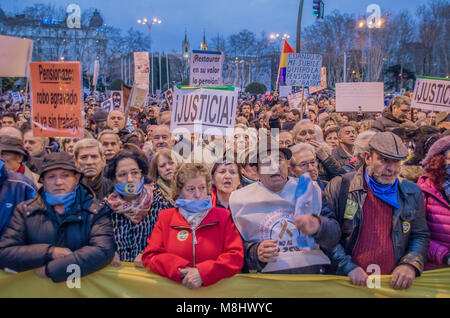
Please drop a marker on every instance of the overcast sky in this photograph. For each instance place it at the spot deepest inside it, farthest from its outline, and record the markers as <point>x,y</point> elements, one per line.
<point>214,16</point>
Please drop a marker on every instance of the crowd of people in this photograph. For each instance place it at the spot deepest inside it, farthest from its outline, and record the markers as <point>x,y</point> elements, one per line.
<point>123,193</point>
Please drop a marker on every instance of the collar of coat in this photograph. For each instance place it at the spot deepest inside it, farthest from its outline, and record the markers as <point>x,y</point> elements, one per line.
<point>357,184</point>
<point>85,200</point>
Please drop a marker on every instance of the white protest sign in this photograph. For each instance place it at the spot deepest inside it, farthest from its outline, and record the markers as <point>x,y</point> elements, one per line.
<point>431,93</point>
<point>323,82</point>
<point>117,100</point>
<point>15,53</point>
<point>138,97</point>
<point>367,95</point>
<point>303,69</point>
<point>214,109</point>
<point>141,70</point>
<point>295,100</point>
<point>169,97</point>
<point>206,68</point>
<point>107,105</point>
<point>285,91</point>
<point>96,69</point>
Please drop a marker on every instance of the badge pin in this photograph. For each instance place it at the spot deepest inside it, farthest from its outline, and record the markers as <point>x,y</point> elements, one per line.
<point>182,235</point>
<point>130,188</point>
<point>406,227</point>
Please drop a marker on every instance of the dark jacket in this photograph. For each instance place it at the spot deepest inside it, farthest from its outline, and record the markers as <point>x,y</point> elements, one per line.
<point>388,122</point>
<point>14,189</point>
<point>128,137</point>
<point>101,186</point>
<point>410,247</point>
<point>35,227</point>
<point>329,168</point>
<point>341,156</point>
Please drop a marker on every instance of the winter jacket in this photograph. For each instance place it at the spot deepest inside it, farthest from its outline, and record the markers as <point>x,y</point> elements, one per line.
<point>214,248</point>
<point>437,212</point>
<point>341,156</point>
<point>329,168</point>
<point>14,189</point>
<point>410,235</point>
<point>387,122</point>
<point>35,227</point>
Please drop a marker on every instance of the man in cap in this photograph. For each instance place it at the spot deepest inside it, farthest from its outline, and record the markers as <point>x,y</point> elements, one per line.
<point>100,118</point>
<point>393,236</point>
<point>63,227</point>
<point>264,214</point>
<point>13,155</point>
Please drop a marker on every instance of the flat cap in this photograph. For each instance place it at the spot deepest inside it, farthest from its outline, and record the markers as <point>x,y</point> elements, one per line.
<point>100,115</point>
<point>389,145</point>
<point>58,160</point>
<point>13,144</point>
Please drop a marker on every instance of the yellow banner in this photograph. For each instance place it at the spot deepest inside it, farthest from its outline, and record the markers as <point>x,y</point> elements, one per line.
<point>128,281</point>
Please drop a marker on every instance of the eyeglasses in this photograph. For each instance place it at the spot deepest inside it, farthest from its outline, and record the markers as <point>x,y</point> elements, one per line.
<point>304,165</point>
<point>191,190</point>
<point>124,174</point>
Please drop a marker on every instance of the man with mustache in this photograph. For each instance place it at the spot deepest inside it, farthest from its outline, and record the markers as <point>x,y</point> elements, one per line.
<point>381,216</point>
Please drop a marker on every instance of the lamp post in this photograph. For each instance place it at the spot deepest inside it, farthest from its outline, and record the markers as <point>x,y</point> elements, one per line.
<point>365,25</point>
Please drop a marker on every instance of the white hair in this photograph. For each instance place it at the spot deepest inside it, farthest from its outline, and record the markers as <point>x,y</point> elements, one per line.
<point>361,144</point>
<point>301,146</point>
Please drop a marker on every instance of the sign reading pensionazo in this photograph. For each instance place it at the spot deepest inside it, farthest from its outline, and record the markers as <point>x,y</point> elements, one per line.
<point>213,109</point>
<point>57,99</point>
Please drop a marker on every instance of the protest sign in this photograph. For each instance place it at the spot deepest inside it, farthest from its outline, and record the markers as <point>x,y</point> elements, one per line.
<point>285,91</point>
<point>431,93</point>
<point>17,97</point>
<point>118,100</point>
<point>107,105</point>
<point>303,69</point>
<point>57,99</point>
<point>295,100</point>
<point>355,96</point>
<point>141,70</point>
<point>323,82</point>
<point>206,68</point>
<point>169,97</point>
<point>214,109</point>
<point>14,56</point>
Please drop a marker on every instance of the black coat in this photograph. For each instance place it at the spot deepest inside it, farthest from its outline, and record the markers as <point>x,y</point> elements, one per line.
<point>85,229</point>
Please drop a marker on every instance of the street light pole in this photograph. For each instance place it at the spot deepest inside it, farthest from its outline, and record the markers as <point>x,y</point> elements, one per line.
<point>299,26</point>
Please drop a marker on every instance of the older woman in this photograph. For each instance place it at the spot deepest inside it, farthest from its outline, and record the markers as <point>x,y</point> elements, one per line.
<point>435,185</point>
<point>194,243</point>
<point>226,178</point>
<point>131,202</point>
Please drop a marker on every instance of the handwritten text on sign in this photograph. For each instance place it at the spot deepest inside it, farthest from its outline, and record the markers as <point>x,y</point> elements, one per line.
<point>57,99</point>
<point>213,109</point>
<point>303,69</point>
<point>206,68</point>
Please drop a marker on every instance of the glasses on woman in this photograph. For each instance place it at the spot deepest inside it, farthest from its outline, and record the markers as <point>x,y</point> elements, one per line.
<point>124,174</point>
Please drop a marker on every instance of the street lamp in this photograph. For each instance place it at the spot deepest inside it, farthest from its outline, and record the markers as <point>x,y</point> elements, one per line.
<point>364,25</point>
<point>149,23</point>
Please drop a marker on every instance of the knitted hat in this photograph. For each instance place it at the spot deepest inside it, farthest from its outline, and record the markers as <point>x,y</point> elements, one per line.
<point>438,148</point>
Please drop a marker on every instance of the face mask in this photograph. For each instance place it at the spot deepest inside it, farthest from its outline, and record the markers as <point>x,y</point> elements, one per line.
<point>57,199</point>
<point>129,189</point>
<point>194,206</point>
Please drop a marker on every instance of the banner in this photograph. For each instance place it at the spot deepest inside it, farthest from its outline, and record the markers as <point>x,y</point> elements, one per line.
<point>129,281</point>
<point>118,101</point>
<point>323,82</point>
<point>214,109</point>
<point>303,69</point>
<point>354,96</point>
<point>141,70</point>
<point>57,99</point>
<point>15,53</point>
<point>431,93</point>
<point>206,68</point>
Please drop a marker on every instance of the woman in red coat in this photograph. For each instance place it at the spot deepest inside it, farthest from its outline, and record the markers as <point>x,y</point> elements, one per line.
<point>194,243</point>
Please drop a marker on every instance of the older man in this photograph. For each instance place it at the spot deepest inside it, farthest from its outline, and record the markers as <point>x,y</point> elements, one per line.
<point>263,212</point>
<point>89,158</point>
<point>36,149</point>
<point>394,235</point>
<point>396,116</point>
<point>116,122</point>
<point>329,167</point>
<point>61,229</point>
<point>344,151</point>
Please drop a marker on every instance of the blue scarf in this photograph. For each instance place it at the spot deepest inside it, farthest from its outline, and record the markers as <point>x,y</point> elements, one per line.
<point>57,199</point>
<point>130,189</point>
<point>385,192</point>
<point>194,206</point>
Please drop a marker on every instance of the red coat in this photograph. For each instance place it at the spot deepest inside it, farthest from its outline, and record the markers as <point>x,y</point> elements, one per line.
<point>218,253</point>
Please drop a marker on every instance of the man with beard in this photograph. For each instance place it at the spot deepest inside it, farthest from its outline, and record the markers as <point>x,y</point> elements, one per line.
<point>89,158</point>
<point>394,234</point>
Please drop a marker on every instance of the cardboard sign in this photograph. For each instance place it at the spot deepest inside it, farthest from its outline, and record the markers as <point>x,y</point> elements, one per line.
<point>213,109</point>
<point>323,82</point>
<point>57,99</point>
<point>303,69</point>
<point>169,97</point>
<point>431,93</point>
<point>354,96</point>
<point>138,97</point>
<point>107,105</point>
<point>206,68</point>
<point>295,100</point>
<point>15,53</point>
<point>117,101</point>
<point>141,70</point>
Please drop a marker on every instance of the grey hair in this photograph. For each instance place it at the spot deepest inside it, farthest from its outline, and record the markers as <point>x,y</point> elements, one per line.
<point>361,144</point>
<point>87,143</point>
<point>301,146</point>
<point>299,125</point>
<point>109,131</point>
